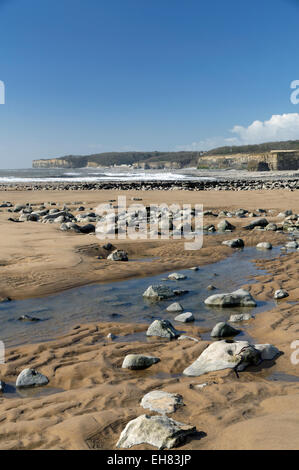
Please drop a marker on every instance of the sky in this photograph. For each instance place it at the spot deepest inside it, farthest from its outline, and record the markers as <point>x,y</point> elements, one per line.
<point>91,76</point>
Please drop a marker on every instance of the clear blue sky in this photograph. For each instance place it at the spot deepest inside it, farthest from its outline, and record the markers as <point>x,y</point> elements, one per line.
<point>87,76</point>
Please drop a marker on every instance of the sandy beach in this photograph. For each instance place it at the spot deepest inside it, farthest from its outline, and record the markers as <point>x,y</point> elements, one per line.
<point>91,397</point>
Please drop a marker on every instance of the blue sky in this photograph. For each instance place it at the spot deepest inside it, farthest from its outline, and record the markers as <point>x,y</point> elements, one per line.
<point>88,76</point>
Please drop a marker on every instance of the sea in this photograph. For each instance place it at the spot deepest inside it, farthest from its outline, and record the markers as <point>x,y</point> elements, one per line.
<point>44,175</point>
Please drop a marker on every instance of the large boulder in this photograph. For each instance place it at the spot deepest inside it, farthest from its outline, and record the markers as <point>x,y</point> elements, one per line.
<point>158,292</point>
<point>224,355</point>
<point>162,402</point>
<point>31,378</point>
<point>159,431</point>
<point>222,330</point>
<point>162,328</point>
<point>139,361</point>
<point>238,298</point>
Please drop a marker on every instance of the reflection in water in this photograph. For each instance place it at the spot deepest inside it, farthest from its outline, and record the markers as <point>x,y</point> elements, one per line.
<point>123,301</point>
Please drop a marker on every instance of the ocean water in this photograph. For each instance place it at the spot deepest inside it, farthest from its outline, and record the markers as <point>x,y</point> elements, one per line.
<point>97,174</point>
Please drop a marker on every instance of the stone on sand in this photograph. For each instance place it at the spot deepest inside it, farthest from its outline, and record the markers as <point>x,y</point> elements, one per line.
<point>162,402</point>
<point>118,255</point>
<point>224,355</point>
<point>235,243</point>
<point>159,431</point>
<point>31,378</point>
<point>257,223</point>
<point>225,225</point>
<point>267,351</point>
<point>139,361</point>
<point>162,328</point>
<point>280,294</point>
<point>222,330</point>
<point>264,246</point>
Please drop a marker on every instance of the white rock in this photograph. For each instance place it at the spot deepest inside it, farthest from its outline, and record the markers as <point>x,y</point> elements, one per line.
<point>264,246</point>
<point>223,355</point>
<point>175,307</point>
<point>240,317</point>
<point>162,402</point>
<point>185,317</point>
<point>31,378</point>
<point>268,351</point>
<point>280,294</point>
<point>176,277</point>
<point>159,431</point>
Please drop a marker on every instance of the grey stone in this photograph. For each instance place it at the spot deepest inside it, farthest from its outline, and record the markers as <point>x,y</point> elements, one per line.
<point>159,431</point>
<point>162,402</point>
<point>235,243</point>
<point>225,225</point>
<point>31,378</point>
<point>222,330</point>
<point>158,292</point>
<point>280,294</point>
<point>185,317</point>
<point>162,328</point>
<point>139,361</point>
<point>264,246</point>
<point>240,317</point>
<point>176,276</point>
<point>118,255</point>
<point>175,307</point>
<point>267,351</point>
<point>257,223</point>
<point>240,297</point>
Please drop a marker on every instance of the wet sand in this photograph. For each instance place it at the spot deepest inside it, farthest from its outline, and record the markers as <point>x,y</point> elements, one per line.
<point>96,397</point>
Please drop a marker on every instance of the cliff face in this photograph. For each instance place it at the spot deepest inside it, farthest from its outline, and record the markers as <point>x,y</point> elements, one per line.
<point>274,160</point>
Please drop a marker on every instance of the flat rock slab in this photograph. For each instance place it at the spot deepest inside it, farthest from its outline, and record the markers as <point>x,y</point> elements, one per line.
<point>31,378</point>
<point>223,355</point>
<point>238,298</point>
<point>159,431</point>
<point>138,361</point>
<point>162,402</point>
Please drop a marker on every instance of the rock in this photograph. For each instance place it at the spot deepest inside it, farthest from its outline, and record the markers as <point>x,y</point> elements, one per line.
<point>224,354</point>
<point>264,246</point>
<point>257,223</point>
<point>159,431</point>
<point>285,213</point>
<point>225,225</point>
<point>176,277</point>
<point>108,247</point>
<point>235,243</point>
<point>2,386</point>
<point>31,378</point>
<point>280,294</point>
<point>194,268</point>
<point>111,336</point>
<point>267,351</point>
<point>28,318</point>
<point>180,291</point>
<point>158,292</point>
<point>162,402</point>
<point>138,361</point>
<point>162,328</point>
<point>240,317</point>
<point>211,287</point>
<point>271,227</point>
<point>118,255</point>
<point>175,307</point>
<point>291,245</point>
<point>222,330</point>
<point>185,317</point>
<point>238,298</point>
<point>19,207</point>
<point>89,228</point>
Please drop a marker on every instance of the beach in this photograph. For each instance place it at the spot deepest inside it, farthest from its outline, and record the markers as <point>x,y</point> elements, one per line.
<point>91,397</point>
